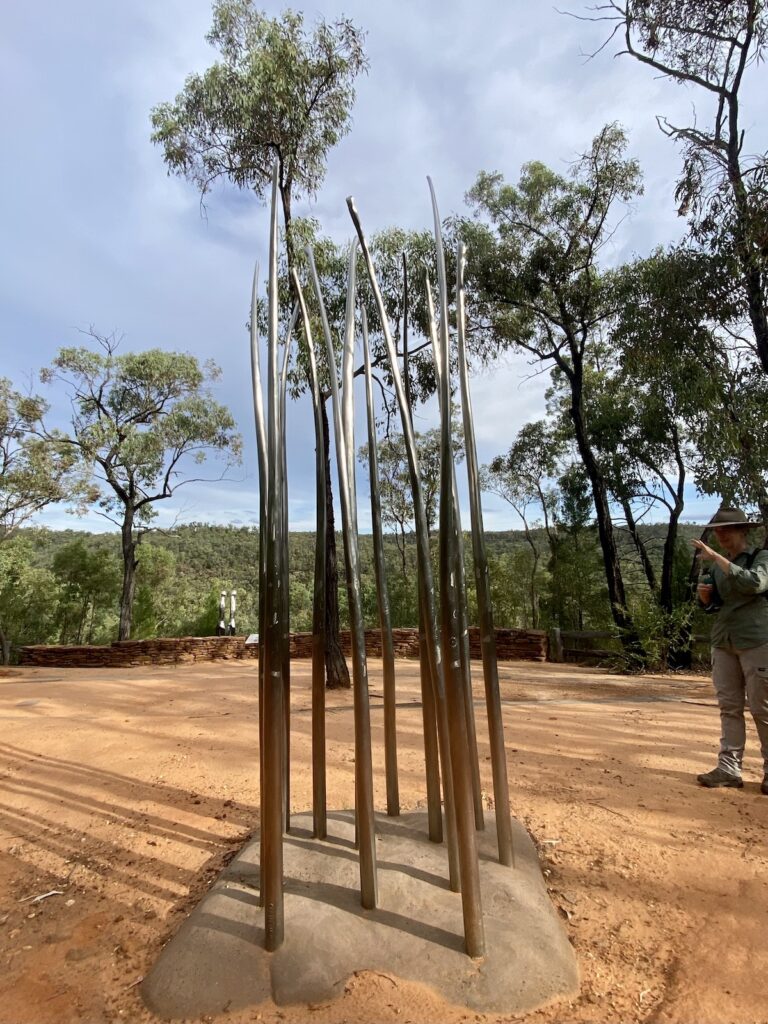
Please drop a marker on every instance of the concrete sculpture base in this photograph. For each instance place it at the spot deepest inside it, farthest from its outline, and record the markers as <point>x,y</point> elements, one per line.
<point>216,960</point>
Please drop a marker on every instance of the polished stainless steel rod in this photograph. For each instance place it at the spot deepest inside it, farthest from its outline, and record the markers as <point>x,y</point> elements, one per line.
<point>429,715</point>
<point>261,449</point>
<point>428,705</point>
<point>319,789</point>
<point>461,578</point>
<point>344,436</point>
<point>382,594</point>
<point>483,587</point>
<point>285,593</point>
<point>426,586</point>
<point>471,900</point>
<point>272,810</point>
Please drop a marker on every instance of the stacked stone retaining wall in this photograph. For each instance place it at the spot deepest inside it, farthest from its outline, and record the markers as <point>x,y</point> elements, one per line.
<point>511,645</point>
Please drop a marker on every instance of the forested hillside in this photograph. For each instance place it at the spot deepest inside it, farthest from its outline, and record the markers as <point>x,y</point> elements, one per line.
<point>64,586</point>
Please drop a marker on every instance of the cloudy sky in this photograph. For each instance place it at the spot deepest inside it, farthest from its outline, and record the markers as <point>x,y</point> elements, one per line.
<point>96,233</point>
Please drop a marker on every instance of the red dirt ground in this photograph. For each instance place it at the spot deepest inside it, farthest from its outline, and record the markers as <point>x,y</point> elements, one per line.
<point>126,790</point>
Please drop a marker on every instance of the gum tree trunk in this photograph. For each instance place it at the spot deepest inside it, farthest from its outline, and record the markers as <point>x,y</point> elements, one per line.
<point>5,648</point>
<point>130,565</point>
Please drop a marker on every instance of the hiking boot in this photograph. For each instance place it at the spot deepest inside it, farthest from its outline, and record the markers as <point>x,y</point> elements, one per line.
<point>718,777</point>
<point>764,786</point>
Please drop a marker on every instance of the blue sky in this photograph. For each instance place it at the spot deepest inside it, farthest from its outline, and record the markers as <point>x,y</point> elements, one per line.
<point>97,234</point>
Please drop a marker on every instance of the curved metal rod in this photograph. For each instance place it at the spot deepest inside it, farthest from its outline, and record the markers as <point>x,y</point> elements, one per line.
<point>426,585</point>
<point>285,594</point>
<point>428,706</point>
<point>466,669</point>
<point>483,588</point>
<point>382,595</point>
<point>272,810</point>
<point>471,901</point>
<point>319,799</point>
<point>347,380</point>
<point>261,449</point>
<point>363,757</point>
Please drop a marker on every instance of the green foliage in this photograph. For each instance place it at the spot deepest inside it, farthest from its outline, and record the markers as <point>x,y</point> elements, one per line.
<point>532,252</point>
<point>709,46</point>
<point>34,470</point>
<point>89,584</point>
<point>140,422</point>
<point>278,92</point>
<point>577,597</point>
<point>27,598</point>
<point>392,250</point>
<point>395,480</point>
<point>138,419</point>
<point>182,572</point>
<point>732,445</point>
<point>663,631</point>
<point>158,604</point>
<point>206,623</point>
<point>510,574</point>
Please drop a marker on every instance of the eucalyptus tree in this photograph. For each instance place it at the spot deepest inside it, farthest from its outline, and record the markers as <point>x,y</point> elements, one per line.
<point>731,458</point>
<point>395,487</point>
<point>283,93</point>
<point>543,480</point>
<point>578,593</point>
<point>661,400</point>
<point>392,247</point>
<point>279,92</point>
<point>35,471</point>
<point>711,47</point>
<point>522,477</point>
<point>533,265</point>
<point>140,422</point>
<point>677,335</point>
<point>89,584</point>
<point>655,381</point>
<point>28,596</point>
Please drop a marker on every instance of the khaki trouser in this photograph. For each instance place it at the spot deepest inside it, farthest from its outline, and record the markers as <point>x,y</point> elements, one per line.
<point>740,676</point>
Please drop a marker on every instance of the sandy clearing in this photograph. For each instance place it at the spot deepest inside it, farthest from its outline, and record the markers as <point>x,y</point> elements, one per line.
<point>127,790</point>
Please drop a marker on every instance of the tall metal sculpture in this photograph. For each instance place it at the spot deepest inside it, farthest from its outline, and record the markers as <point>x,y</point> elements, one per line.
<point>449,620</point>
<point>344,435</point>
<point>319,808</point>
<point>463,625</point>
<point>451,755</point>
<point>483,588</point>
<point>426,586</point>
<point>385,623</point>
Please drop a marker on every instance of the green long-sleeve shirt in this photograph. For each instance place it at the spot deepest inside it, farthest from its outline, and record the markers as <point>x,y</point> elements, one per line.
<point>741,619</point>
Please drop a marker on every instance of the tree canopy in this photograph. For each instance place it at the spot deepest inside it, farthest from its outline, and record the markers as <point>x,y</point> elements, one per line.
<point>140,421</point>
<point>709,46</point>
<point>536,283</point>
<point>34,472</point>
<point>279,92</point>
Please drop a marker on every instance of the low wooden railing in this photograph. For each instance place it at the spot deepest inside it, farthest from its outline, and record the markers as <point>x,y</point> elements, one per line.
<point>560,650</point>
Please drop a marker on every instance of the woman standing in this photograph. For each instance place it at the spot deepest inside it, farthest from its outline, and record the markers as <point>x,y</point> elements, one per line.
<point>737,596</point>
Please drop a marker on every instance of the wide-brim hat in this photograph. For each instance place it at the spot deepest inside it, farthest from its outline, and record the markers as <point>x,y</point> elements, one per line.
<point>731,517</point>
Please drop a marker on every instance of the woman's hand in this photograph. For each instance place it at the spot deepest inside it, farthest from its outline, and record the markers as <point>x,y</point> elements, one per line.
<point>704,591</point>
<point>706,551</point>
<point>711,555</point>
